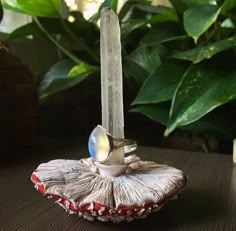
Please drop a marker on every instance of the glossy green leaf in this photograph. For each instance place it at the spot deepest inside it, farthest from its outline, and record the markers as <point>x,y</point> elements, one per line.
<point>161,84</point>
<point>156,112</point>
<point>202,89</point>
<point>198,54</point>
<point>182,5</point>
<point>162,33</point>
<point>165,16</point>
<point>156,38</point>
<point>145,6</point>
<point>125,9</point>
<point>26,30</point>
<point>84,33</point>
<point>12,5</point>
<point>106,3</point>
<point>135,72</point>
<point>50,24</point>
<point>213,123</point>
<point>131,25</point>
<point>147,58</point>
<point>110,3</point>
<point>80,69</point>
<point>57,78</point>
<point>58,71</point>
<point>39,7</point>
<point>152,9</point>
<point>34,7</point>
<point>198,19</point>
<point>228,5</point>
<point>53,25</point>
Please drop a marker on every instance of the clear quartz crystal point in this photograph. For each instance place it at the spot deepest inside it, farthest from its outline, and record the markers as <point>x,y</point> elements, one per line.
<point>111,80</point>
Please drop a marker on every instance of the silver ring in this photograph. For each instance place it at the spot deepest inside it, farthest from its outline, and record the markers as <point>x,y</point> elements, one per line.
<point>101,144</point>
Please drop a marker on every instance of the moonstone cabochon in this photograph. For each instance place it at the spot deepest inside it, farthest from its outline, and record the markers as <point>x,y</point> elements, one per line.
<point>77,186</point>
<point>98,144</point>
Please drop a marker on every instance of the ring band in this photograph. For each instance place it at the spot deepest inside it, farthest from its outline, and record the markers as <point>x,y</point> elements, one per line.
<point>101,144</point>
<point>128,144</point>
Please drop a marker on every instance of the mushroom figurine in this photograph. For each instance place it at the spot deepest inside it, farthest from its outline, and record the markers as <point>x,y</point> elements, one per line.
<point>92,189</point>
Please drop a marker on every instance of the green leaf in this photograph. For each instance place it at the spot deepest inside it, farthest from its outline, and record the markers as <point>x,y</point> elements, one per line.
<point>152,9</point>
<point>57,71</point>
<point>198,19</point>
<point>111,4</point>
<point>37,7</point>
<point>53,25</point>
<point>202,89</point>
<point>162,17</point>
<point>141,63</point>
<point>40,7</point>
<point>131,25</point>
<point>154,38</point>
<point>156,112</point>
<point>182,5</point>
<point>135,72</point>
<point>198,54</point>
<point>125,9</point>
<point>106,3</point>
<point>213,123</point>
<point>57,78</point>
<point>165,16</point>
<point>129,7</point>
<point>162,33</point>
<point>228,5</point>
<point>11,5</point>
<point>81,69</point>
<point>84,33</point>
<point>147,58</point>
<point>26,30</point>
<point>161,84</point>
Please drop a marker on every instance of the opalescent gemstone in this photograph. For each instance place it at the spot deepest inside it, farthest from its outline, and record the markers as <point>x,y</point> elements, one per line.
<point>98,144</point>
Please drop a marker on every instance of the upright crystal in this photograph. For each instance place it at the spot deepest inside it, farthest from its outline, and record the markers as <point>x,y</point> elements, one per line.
<point>111,79</point>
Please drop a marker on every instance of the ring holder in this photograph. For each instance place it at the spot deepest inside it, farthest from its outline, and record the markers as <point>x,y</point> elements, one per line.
<point>109,186</point>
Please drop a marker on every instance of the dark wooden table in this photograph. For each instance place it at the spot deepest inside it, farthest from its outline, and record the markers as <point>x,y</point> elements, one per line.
<point>208,202</point>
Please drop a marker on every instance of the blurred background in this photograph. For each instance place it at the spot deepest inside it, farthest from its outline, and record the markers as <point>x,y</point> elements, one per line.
<point>178,68</point>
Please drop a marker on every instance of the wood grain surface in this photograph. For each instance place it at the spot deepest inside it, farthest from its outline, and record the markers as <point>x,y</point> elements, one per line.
<point>208,202</point>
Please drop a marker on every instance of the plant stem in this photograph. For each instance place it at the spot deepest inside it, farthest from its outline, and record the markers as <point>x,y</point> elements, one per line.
<point>74,37</point>
<point>54,41</point>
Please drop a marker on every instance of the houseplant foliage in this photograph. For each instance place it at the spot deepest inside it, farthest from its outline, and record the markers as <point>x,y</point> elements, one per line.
<point>203,83</point>
<point>178,60</point>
